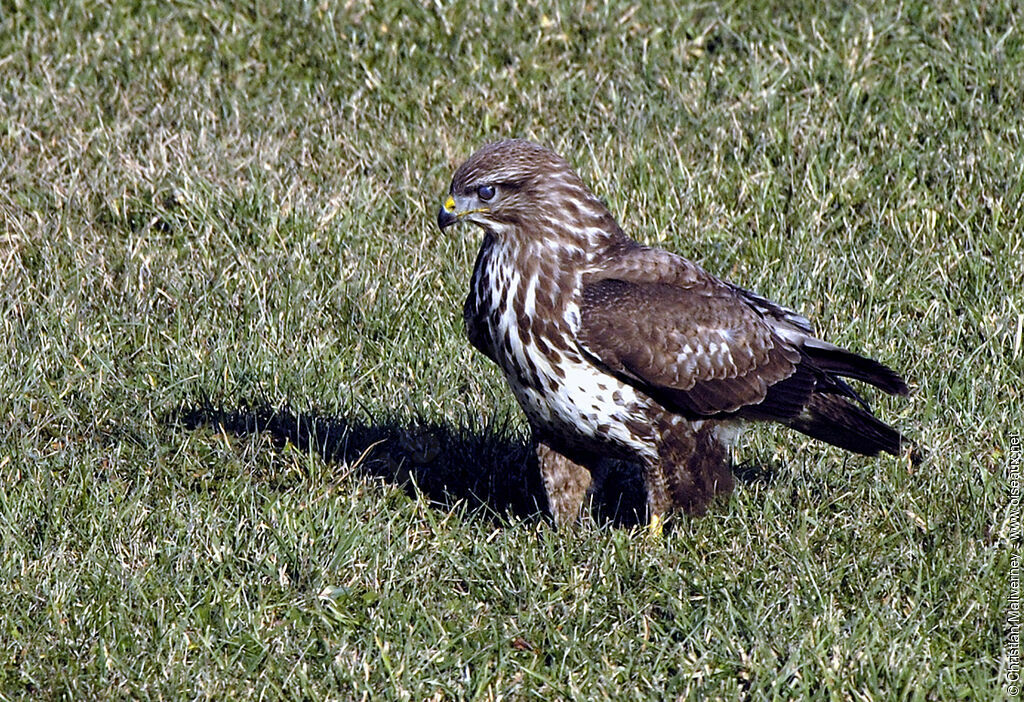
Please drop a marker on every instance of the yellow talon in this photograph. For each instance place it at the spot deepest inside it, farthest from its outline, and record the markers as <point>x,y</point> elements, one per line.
<point>656,526</point>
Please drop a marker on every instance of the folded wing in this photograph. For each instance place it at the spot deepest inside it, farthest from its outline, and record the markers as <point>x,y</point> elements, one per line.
<point>704,348</point>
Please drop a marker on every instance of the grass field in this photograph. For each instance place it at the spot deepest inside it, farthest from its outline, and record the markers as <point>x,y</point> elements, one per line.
<point>247,452</point>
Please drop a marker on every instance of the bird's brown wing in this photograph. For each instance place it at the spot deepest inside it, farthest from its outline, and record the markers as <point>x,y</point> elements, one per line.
<point>694,345</point>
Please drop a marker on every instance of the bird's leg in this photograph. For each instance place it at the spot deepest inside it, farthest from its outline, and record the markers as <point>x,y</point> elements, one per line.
<point>565,482</point>
<point>658,498</point>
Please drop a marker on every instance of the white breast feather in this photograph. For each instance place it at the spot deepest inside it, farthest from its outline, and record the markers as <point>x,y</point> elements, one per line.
<point>584,399</point>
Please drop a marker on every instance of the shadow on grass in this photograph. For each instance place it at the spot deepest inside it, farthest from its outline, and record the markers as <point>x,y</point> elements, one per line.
<point>491,470</point>
<point>752,472</point>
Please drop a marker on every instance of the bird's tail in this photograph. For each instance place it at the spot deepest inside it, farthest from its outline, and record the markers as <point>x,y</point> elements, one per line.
<point>838,361</point>
<point>832,419</point>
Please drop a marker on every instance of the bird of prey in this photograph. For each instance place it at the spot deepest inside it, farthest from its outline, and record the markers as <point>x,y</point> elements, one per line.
<point>618,351</point>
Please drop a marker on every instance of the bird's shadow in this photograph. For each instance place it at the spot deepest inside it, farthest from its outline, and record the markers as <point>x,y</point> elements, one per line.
<point>491,469</point>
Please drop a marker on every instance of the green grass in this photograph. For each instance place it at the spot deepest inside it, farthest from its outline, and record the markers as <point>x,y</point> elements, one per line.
<point>211,213</point>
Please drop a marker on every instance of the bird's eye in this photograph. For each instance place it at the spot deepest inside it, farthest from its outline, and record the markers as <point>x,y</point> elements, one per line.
<point>485,192</point>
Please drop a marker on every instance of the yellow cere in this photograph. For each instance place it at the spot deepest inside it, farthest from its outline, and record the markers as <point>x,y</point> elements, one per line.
<point>449,204</point>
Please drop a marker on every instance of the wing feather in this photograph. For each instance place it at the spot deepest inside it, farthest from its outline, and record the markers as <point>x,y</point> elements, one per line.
<point>697,348</point>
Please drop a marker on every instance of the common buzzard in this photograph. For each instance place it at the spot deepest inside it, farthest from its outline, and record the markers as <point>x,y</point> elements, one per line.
<point>618,351</point>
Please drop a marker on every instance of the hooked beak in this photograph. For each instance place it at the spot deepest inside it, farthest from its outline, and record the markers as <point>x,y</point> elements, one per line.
<point>454,210</point>
<point>447,215</point>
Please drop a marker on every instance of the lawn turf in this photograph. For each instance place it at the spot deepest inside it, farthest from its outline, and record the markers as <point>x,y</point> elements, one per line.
<point>246,451</point>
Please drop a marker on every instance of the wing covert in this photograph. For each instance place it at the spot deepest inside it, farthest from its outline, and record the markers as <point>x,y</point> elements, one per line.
<point>699,349</point>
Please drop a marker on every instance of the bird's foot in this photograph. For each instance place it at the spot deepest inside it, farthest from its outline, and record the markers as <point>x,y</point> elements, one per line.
<point>656,526</point>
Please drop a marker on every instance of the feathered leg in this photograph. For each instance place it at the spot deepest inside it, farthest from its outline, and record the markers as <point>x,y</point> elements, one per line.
<point>565,482</point>
<point>694,462</point>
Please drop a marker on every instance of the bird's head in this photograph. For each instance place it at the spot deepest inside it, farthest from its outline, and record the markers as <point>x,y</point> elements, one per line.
<point>517,190</point>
